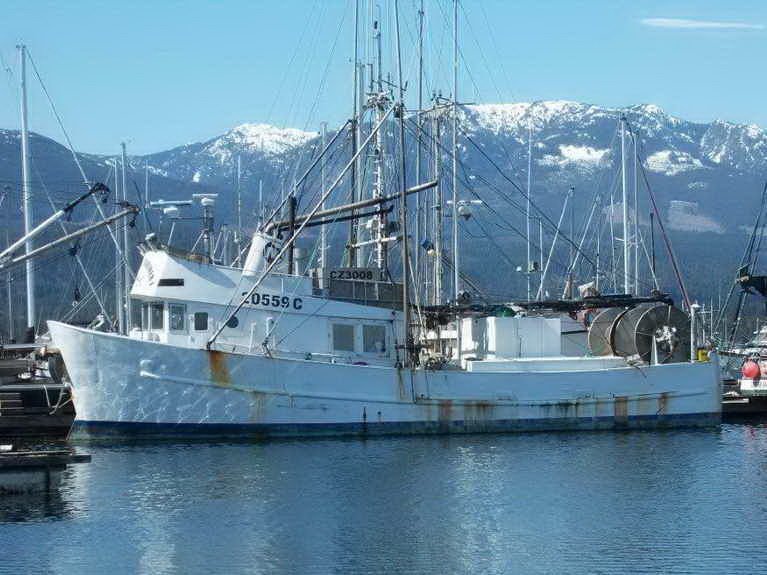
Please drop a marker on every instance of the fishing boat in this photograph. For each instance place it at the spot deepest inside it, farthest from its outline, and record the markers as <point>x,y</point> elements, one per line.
<point>269,347</point>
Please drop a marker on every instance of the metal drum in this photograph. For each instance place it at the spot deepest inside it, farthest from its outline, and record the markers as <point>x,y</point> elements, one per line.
<point>601,331</point>
<point>635,330</point>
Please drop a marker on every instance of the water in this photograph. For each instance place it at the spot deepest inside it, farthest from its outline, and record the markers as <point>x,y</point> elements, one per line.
<point>634,502</point>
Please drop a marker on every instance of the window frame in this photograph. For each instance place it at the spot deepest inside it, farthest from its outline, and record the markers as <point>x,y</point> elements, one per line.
<point>344,324</point>
<point>385,352</point>
<point>197,314</point>
<point>182,307</point>
<point>153,305</point>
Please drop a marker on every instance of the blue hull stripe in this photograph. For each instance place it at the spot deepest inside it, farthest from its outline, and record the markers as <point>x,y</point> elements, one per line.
<point>259,431</point>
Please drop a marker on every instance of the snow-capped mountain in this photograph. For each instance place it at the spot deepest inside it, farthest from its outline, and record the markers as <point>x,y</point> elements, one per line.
<point>213,161</point>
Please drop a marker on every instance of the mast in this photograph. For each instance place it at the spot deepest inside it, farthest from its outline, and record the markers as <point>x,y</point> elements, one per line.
<point>403,196</point>
<point>126,268</point>
<point>27,197</point>
<point>119,310</point>
<point>418,132</point>
<point>323,228</point>
<point>624,200</point>
<point>636,212</point>
<point>379,162</point>
<point>456,275</point>
<point>238,231</point>
<point>527,211</point>
<point>438,218</point>
<point>146,185</point>
<point>353,127</point>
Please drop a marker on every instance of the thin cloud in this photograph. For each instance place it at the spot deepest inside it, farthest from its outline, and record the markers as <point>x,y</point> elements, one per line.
<point>699,24</point>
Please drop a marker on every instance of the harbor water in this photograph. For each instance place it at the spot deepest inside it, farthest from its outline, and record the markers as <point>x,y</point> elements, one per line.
<point>612,503</point>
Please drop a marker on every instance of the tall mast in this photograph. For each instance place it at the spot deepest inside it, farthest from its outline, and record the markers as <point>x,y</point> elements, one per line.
<point>323,227</point>
<point>126,267</point>
<point>353,127</point>
<point>456,275</point>
<point>418,131</point>
<point>238,231</point>
<point>527,210</point>
<point>624,192</point>
<point>403,196</point>
<point>27,196</point>
<point>636,213</point>
<point>119,310</point>
<point>438,218</point>
<point>146,185</point>
<point>379,162</point>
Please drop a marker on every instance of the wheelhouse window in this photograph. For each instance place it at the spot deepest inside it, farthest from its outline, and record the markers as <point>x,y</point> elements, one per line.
<point>343,337</point>
<point>176,315</point>
<point>156,315</point>
<point>374,339</point>
<point>145,316</point>
<point>201,321</point>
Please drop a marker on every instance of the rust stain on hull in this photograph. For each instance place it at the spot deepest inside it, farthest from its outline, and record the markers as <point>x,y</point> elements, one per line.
<point>663,403</point>
<point>219,372</point>
<point>621,410</point>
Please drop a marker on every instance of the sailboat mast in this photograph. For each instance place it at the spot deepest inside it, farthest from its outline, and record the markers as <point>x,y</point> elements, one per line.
<point>403,196</point>
<point>527,210</point>
<point>27,196</point>
<point>624,192</point>
<point>126,266</point>
<point>456,274</point>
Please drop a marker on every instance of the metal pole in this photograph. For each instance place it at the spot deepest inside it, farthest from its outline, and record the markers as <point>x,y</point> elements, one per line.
<point>636,213</point>
<point>652,242</point>
<point>624,200</point>
<point>527,210</point>
<point>438,217</point>
<point>27,197</point>
<point>238,231</point>
<point>403,196</point>
<point>127,267</point>
<point>419,129</point>
<point>146,185</point>
<point>323,228</point>
<point>554,243</point>
<point>9,279</point>
<point>456,273</point>
<point>119,265</point>
<point>351,256</point>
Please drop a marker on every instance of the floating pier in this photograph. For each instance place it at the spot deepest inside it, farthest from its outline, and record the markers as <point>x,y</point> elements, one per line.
<point>34,471</point>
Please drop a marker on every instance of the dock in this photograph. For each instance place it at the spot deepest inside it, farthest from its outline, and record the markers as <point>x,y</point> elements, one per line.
<point>34,471</point>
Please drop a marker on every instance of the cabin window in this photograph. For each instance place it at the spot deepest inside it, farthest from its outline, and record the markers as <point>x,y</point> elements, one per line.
<point>156,315</point>
<point>145,316</point>
<point>343,337</point>
<point>374,339</point>
<point>176,315</point>
<point>201,321</point>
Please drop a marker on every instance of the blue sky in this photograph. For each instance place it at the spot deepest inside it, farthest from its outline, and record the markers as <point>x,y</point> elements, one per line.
<point>167,72</point>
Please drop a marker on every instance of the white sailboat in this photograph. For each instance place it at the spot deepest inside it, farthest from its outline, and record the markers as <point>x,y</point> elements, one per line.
<point>339,351</point>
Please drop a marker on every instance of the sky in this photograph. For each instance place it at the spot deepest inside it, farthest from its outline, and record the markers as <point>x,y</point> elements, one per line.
<point>162,73</point>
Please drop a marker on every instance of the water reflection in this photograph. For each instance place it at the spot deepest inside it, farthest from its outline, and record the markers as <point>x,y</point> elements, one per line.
<point>536,503</point>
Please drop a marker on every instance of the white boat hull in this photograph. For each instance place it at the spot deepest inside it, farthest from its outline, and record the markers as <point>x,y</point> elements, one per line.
<point>125,386</point>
